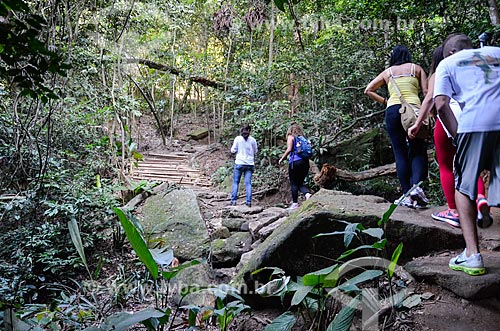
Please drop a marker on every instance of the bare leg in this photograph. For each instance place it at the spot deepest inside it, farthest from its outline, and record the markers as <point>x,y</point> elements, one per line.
<point>468,213</point>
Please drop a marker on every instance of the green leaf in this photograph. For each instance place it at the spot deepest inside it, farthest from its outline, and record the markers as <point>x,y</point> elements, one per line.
<point>380,244</point>
<point>318,277</point>
<point>274,287</point>
<point>343,320</point>
<point>329,234</point>
<point>275,271</point>
<point>351,251</point>
<point>374,232</point>
<point>168,275</point>
<point>394,260</point>
<point>300,294</point>
<point>124,320</point>
<point>193,312</point>
<point>362,277</point>
<point>137,156</point>
<point>162,256</point>
<point>222,291</point>
<point>138,244</point>
<point>350,230</point>
<point>280,4</point>
<point>74,232</point>
<point>284,322</point>
<point>387,214</point>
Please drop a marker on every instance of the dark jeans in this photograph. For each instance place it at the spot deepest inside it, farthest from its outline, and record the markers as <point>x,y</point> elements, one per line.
<point>246,171</point>
<point>297,172</point>
<point>410,154</point>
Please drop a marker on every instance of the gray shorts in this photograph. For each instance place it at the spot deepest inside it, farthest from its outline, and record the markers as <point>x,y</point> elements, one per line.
<point>478,151</point>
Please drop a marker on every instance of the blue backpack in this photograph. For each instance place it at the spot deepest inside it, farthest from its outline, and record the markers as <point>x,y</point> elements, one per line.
<point>303,147</point>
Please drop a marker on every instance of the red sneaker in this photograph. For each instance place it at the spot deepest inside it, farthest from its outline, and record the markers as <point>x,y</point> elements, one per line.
<point>484,218</point>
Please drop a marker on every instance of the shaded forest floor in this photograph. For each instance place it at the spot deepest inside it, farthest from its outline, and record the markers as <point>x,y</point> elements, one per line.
<point>444,311</point>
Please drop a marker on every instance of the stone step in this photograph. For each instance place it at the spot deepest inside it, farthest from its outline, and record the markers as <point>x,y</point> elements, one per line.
<point>434,269</point>
<point>183,181</point>
<point>168,170</point>
<point>172,167</point>
<point>177,155</point>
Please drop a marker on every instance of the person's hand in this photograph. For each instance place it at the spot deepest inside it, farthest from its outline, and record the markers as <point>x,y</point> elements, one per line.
<point>413,131</point>
<point>280,160</point>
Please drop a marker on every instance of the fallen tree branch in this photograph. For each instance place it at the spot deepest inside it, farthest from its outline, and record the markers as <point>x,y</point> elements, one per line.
<point>350,126</point>
<point>330,173</point>
<point>174,71</point>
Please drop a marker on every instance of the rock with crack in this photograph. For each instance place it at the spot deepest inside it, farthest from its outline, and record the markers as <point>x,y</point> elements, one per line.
<point>173,218</point>
<point>227,252</point>
<point>264,219</point>
<point>435,269</point>
<point>293,247</point>
<point>197,276</point>
<point>234,224</point>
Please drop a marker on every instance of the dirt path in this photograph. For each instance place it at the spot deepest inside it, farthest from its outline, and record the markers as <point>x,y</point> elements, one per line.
<point>191,164</point>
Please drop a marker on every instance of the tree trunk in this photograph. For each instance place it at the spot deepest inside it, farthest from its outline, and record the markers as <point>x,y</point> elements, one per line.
<point>271,41</point>
<point>494,15</point>
<point>172,92</point>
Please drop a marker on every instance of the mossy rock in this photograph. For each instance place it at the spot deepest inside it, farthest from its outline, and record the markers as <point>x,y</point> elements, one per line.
<point>174,217</point>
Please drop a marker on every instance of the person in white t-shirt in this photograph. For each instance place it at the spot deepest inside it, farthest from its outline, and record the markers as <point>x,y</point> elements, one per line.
<point>472,78</point>
<point>445,155</point>
<point>245,147</point>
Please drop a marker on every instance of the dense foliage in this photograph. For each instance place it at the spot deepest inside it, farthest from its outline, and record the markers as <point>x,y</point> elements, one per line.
<point>76,75</point>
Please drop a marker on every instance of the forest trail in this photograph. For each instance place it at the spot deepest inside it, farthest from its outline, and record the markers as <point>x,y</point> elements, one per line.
<point>171,167</point>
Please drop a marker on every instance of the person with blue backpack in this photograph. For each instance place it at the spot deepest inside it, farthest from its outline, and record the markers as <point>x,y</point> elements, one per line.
<point>299,150</point>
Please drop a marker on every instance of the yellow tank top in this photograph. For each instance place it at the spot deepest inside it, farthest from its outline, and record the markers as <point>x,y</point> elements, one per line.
<point>408,86</point>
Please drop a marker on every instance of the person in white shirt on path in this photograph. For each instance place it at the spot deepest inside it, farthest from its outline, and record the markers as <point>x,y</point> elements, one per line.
<point>472,77</point>
<point>245,148</point>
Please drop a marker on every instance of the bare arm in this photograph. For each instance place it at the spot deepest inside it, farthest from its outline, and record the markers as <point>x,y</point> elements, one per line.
<point>289,148</point>
<point>446,114</point>
<point>427,105</point>
<point>423,80</point>
<point>374,85</point>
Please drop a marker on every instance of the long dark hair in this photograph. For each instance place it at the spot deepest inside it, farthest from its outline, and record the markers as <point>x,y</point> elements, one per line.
<point>400,55</point>
<point>437,56</point>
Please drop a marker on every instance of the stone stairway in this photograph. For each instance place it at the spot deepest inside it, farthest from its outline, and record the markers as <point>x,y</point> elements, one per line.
<point>172,168</point>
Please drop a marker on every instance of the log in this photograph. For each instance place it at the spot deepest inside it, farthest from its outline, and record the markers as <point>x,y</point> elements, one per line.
<point>329,173</point>
<point>174,71</point>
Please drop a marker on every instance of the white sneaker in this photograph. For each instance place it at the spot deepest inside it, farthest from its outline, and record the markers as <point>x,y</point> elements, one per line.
<point>418,195</point>
<point>472,265</point>
<point>293,206</point>
<point>402,201</point>
<point>308,196</point>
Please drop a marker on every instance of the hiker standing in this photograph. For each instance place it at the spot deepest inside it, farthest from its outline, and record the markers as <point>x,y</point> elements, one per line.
<point>298,166</point>
<point>472,77</point>
<point>410,154</point>
<point>445,153</point>
<point>245,147</point>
